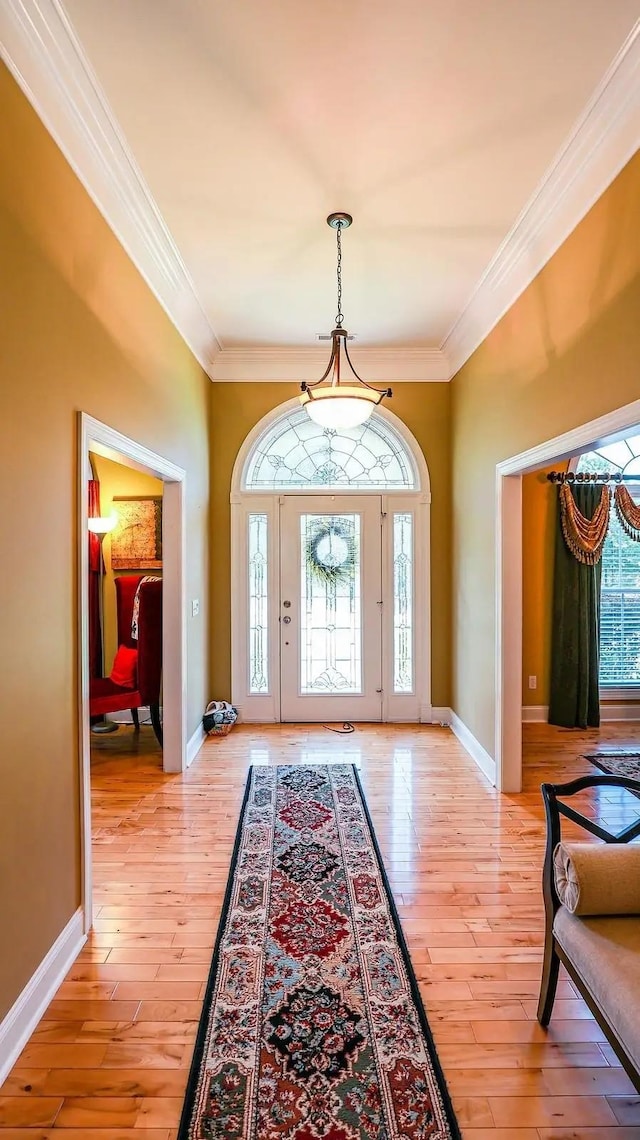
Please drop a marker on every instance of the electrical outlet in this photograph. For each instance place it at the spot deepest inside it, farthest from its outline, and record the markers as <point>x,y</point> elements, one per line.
<point>533,681</point>
<point>195,607</point>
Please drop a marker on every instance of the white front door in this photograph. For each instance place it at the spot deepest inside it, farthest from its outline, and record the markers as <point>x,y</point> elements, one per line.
<point>330,620</point>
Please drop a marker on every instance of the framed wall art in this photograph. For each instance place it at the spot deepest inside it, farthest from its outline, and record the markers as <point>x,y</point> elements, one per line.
<point>136,541</point>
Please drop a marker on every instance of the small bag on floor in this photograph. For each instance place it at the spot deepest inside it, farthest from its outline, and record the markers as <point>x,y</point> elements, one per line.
<point>219,718</point>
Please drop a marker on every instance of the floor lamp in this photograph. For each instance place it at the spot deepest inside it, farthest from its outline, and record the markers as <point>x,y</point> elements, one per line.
<point>101,525</point>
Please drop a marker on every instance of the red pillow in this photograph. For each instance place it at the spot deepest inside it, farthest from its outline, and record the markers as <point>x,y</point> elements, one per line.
<point>125,666</point>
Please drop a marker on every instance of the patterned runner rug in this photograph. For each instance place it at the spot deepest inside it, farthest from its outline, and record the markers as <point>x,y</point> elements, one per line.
<point>616,763</point>
<point>312,1025</point>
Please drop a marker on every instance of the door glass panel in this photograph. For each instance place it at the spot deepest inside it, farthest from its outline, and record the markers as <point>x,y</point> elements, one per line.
<point>330,604</point>
<point>258,605</point>
<point>403,603</point>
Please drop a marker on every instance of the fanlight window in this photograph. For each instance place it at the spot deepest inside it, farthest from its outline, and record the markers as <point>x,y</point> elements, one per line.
<point>296,453</point>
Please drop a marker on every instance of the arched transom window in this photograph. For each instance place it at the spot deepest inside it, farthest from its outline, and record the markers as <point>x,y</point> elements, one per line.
<point>295,453</point>
<point>620,596</point>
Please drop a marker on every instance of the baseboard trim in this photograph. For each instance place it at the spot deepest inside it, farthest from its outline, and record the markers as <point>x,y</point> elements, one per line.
<point>485,762</point>
<point>438,714</point>
<point>619,712</point>
<point>194,744</point>
<point>535,714</point>
<point>609,711</point>
<point>25,1013</point>
<point>125,717</point>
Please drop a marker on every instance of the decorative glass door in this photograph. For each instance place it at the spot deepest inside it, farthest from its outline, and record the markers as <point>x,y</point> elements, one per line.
<point>330,608</point>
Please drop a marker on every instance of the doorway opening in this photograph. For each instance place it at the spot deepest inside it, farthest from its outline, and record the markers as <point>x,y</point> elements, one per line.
<point>125,600</point>
<point>509,595</point>
<point>106,445</point>
<point>330,572</point>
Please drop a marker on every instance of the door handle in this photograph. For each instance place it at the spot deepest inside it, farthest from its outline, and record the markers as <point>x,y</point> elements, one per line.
<point>286,620</point>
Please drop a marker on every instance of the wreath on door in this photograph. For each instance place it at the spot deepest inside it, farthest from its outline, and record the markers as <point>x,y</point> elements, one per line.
<point>331,552</point>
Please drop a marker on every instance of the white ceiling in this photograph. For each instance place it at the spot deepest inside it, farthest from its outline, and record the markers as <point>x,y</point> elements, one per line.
<point>433,122</point>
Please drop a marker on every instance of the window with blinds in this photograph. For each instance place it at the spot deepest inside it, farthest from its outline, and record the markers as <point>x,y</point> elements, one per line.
<point>620,609</point>
<point>620,597</point>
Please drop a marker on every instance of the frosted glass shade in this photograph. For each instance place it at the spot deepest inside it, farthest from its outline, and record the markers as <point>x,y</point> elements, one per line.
<point>102,524</point>
<point>342,406</point>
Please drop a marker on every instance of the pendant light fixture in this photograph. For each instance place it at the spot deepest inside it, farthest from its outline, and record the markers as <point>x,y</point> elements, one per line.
<point>331,401</point>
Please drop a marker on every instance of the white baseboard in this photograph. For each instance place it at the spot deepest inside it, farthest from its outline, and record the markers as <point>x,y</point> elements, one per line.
<point>485,762</point>
<point>535,714</point>
<point>124,716</point>
<point>194,744</point>
<point>441,714</point>
<point>25,1013</point>
<point>438,714</point>
<point>609,711</point>
<point>619,712</point>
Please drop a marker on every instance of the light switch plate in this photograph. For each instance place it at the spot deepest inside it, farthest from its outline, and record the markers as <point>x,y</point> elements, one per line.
<point>195,607</point>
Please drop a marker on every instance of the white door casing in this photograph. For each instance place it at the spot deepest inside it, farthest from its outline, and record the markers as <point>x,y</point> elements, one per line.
<point>260,506</point>
<point>93,435</point>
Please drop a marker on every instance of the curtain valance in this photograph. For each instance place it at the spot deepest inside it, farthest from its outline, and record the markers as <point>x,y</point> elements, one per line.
<point>585,537</point>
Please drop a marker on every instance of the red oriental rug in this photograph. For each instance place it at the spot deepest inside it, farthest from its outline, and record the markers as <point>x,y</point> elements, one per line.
<point>313,1027</point>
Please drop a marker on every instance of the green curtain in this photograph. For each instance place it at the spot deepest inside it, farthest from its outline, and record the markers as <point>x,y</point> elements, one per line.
<point>575,695</point>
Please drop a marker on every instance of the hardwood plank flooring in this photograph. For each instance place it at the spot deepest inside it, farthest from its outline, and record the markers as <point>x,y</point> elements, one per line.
<point>110,1056</point>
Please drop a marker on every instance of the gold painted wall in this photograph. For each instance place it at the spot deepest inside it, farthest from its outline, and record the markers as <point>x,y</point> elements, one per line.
<point>80,330</point>
<point>539,502</point>
<point>566,352</point>
<point>116,480</point>
<point>235,409</point>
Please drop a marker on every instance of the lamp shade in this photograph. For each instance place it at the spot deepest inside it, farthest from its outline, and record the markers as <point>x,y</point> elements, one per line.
<point>102,524</point>
<point>344,406</point>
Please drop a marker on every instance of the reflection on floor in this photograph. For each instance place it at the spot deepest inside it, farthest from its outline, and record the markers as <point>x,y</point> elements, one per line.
<point>110,1057</point>
<point>124,743</point>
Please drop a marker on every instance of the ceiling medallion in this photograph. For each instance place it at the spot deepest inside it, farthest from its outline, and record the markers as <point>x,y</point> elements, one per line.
<point>330,401</point>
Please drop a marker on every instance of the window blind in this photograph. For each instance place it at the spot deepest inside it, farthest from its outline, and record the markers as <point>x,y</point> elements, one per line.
<point>620,609</point>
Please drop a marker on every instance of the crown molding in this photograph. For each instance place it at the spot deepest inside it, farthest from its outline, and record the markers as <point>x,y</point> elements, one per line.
<point>43,53</point>
<point>376,365</point>
<point>39,46</point>
<point>604,138</point>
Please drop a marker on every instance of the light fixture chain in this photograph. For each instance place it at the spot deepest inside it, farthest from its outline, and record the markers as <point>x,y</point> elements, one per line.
<point>328,401</point>
<point>339,315</point>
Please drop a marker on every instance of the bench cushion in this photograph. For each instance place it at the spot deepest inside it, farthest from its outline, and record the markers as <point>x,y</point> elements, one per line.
<point>606,954</point>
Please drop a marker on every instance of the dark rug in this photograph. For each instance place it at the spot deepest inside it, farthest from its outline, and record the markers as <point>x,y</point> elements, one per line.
<point>312,1025</point>
<point>616,763</point>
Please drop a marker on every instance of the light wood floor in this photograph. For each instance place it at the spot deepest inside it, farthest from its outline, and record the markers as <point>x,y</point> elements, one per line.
<point>109,1058</point>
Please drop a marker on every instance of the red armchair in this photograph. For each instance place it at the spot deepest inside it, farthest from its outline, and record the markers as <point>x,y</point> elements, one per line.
<point>104,695</point>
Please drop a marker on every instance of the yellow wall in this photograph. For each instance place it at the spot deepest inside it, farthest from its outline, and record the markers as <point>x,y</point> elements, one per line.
<point>566,352</point>
<point>80,330</point>
<point>235,409</point>
<point>116,480</point>
<point>539,502</point>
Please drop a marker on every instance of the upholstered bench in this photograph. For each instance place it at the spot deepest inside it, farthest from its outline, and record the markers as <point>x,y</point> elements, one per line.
<point>592,903</point>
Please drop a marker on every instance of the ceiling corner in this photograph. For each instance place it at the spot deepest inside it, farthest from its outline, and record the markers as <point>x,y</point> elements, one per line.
<point>45,57</point>
<point>604,138</point>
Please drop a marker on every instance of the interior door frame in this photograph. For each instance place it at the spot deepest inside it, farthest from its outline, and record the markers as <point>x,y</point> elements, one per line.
<point>508,576</point>
<point>265,708</point>
<point>93,435</point>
